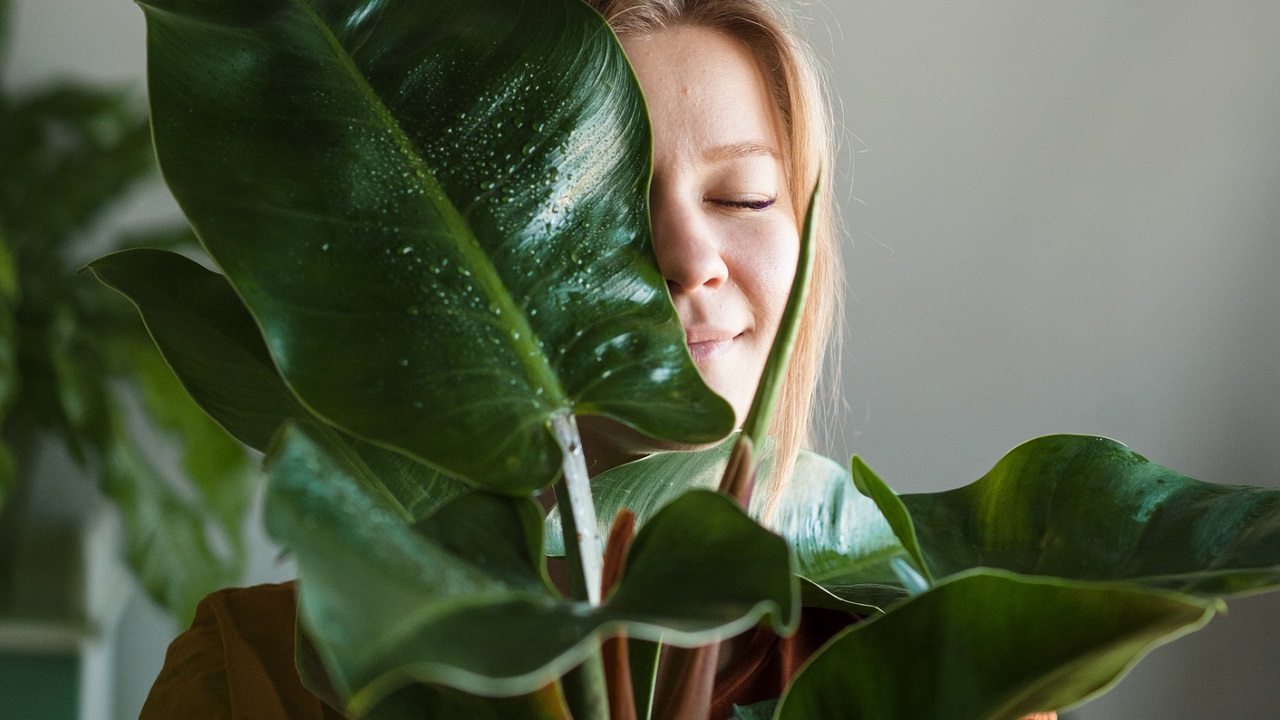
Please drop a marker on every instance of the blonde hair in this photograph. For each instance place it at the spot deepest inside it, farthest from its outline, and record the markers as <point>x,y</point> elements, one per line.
<point>789,66</point>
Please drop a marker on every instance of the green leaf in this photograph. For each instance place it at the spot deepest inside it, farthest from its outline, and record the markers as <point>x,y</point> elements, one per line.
<point>756,424</point>
<point>848,548</point>
<point>166,536</point>
<point>647,485</point>
<point>419,701</point>
<point>10,372</point>
<point>10,288</point>
<point>841,540</point>
<point>215,463</point>
<point>8,474</point>
<point>177,238</point>
<point>643,656</point>
<point>894,511</point>
<point>84,405</point>
<point>387,604</point>
<point>207,336</point>
<point>214,347</point>
<point>757,711</point>
<point>437,216</point>
<point>989,646</point>
<point>72,150</point>
<point>1090,508</point>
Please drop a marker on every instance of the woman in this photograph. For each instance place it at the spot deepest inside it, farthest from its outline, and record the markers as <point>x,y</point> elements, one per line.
<point>735,158</point>
<point>741,133</point>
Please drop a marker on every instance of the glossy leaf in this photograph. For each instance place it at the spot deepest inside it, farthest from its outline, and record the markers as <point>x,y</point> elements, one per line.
<point>848,548</point>
<point>461,598</point>
<point>436,216</point>
<point>894,512</point>
<point>645,486</point>
<point>1090,508</point>
<point>213,345</point>
<point>989,645</point>
<point>841,540</point>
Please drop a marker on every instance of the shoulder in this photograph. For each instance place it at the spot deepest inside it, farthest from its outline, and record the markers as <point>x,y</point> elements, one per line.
<point>236,659</point>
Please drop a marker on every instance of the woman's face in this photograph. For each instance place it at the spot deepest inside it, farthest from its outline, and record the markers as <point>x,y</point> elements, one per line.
<point>724,227</point>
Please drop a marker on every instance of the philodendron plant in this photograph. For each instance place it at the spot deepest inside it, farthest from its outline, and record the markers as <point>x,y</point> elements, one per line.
<point>431,223</point>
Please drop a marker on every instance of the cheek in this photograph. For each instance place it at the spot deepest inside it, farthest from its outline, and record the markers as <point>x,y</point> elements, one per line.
<point>766,270</point>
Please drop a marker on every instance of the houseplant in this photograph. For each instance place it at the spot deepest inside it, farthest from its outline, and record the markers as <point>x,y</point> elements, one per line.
<point>72,355</point>
<point>395,195</point>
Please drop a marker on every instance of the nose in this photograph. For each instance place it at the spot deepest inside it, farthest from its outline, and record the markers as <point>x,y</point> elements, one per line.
<point>689,254</point>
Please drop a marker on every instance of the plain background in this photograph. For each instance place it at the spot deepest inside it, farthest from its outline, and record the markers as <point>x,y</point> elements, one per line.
<point>1060,217</point>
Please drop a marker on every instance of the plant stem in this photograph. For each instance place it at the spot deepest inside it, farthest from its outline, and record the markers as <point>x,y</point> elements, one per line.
<point>585,689</point>
<point>583,555</point>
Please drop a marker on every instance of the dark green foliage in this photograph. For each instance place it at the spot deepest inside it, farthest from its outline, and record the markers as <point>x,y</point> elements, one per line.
<point>431,218</point>
<point>69,348</point>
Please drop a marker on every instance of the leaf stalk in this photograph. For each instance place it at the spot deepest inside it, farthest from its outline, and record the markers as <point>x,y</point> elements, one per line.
<point>584,557</point>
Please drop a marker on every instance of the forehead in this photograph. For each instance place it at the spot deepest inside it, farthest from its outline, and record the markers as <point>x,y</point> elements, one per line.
<point>704,88</point>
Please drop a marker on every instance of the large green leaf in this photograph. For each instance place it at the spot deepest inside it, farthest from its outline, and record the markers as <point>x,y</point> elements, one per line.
<point>841,540</point>
<point>437,212</point>
<point>208,337</point>
<point>989,645</point>
<point>647,485</point>
<point>461,598</point>
<point>1090,508</point>
<point>214,347</point>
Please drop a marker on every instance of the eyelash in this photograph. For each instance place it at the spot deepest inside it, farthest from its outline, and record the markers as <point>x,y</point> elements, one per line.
<point>747,204</point>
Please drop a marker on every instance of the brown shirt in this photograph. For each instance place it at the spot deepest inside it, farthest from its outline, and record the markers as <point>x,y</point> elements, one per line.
<point>237,662</point>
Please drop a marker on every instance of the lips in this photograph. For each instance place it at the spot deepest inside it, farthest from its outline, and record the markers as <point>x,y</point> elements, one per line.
<point>706,346</point>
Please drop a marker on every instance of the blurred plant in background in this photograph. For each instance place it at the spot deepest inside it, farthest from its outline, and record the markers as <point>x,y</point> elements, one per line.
<point>74,356</point>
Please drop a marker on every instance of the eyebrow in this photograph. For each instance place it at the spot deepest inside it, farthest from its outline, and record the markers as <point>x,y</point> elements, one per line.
<point>733,151</point>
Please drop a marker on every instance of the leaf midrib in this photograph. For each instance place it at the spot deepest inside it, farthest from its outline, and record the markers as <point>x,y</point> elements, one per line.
<point>485,273</point>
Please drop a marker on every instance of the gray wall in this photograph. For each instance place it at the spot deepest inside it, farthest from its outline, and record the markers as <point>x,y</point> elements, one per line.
<point>1060,217</point>
<point>1065,217</point>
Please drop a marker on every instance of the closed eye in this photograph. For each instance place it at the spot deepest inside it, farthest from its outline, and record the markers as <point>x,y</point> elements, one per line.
<point>750,204</point>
